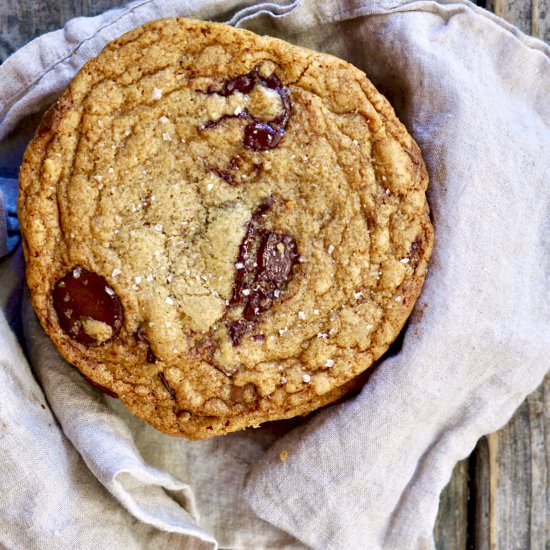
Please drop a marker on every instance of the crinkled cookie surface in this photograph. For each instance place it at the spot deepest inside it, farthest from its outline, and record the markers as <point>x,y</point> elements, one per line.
<point>221,228</point>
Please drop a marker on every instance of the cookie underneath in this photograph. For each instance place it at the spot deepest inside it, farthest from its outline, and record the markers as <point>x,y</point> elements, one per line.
<point>220,228</point>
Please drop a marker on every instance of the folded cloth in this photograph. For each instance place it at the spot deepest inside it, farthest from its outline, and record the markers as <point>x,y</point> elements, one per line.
<point>365,473</point>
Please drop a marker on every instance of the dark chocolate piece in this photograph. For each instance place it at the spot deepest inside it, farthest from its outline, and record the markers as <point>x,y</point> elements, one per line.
<point>259,135</point>
<point>81,296</point>
<point>168,387</point>
<point>150,356</point>
<point>264,267</point>
<point>227,173</point>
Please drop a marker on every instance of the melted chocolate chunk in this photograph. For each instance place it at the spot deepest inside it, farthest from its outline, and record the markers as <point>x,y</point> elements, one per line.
<point>259,135</point>
<point>227,173</point>
<point>87,308</point>
<point>168,387</point>
<point>277,255</point>
<point>150,356</point>
<point>264,267</point>
<point>416,251</point>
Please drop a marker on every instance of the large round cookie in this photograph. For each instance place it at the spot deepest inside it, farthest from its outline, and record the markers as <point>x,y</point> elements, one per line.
<point>221,228</point>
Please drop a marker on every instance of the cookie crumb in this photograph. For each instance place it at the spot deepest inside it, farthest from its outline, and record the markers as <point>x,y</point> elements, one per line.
<point>283,455</point>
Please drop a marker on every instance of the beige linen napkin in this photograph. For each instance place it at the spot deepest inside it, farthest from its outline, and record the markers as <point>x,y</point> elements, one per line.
<point>366,473</point>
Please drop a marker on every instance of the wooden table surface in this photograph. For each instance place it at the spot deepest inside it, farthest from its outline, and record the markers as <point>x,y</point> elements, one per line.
<point>499,496</point>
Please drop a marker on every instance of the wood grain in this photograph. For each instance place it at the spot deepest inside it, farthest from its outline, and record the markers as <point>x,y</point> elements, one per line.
<point>500,496</point>
<point>23,20</point>
<point>531,16</point>
<point>451,531</point>
<point>512,499</point>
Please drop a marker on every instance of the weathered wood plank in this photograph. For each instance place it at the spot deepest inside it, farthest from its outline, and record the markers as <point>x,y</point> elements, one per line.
<point>451,528</point>
<point>479,506</point>
<point>513,482</point>
<point>531,16</point>
<point>23,20</point>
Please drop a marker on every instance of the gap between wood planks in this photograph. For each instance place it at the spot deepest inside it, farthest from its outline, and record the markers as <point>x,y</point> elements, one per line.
<point>498,498</point>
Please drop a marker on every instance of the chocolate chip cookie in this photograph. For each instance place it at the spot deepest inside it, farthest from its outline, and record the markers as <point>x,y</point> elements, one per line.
<point>221,228</point>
